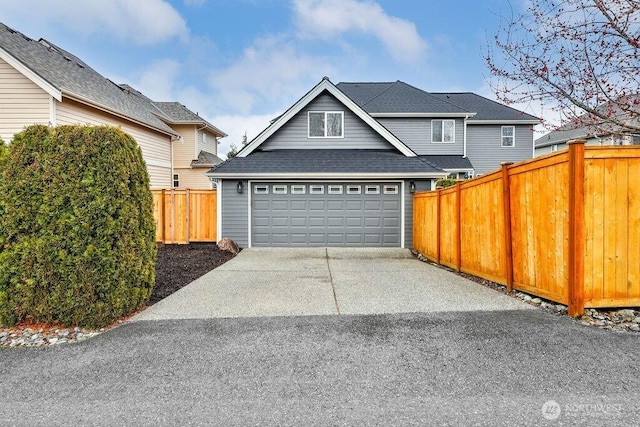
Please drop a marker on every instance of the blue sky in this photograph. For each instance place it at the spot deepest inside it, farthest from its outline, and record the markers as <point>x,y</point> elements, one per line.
<point>240,63</point>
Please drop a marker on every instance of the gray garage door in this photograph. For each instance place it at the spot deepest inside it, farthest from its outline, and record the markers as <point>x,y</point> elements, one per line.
<point>325,214</point>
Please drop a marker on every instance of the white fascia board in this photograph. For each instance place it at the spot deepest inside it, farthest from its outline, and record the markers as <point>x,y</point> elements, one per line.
<point>503,122</point>
<point>317,176</point>
<point>325,84</point>
<point>422,115</point>
<point>31,75</point>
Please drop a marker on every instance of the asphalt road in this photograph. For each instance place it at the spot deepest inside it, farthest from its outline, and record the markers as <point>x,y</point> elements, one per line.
<point>462,368</point>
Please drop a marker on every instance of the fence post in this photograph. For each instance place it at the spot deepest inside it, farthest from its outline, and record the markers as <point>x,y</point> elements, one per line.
<point>438,227</point>
<point>163,217</point>
<point>188,214</point>
<point>576,228</point>
<point>506,211</point>
<point>458,228</point>
<point>172,200</point>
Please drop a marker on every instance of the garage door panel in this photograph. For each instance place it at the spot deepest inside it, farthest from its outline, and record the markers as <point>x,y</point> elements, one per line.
<point>352,238</point>
<point>330,218</point>
<point>335,221</point>
<point>298,221</point>
<point>317,205</point>
<point>280,221</point>
<point>298,205</point>
<point>317,221</point>
<point>317,238</point>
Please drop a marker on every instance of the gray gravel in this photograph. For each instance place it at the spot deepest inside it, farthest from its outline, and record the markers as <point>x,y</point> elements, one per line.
<point>446,368</point>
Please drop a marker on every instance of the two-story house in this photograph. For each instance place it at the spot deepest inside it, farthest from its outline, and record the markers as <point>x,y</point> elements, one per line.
<point>41,83</point>
<point>339,167</point>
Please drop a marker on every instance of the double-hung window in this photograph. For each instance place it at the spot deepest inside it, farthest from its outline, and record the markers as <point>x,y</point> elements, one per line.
<point>326,124</point>
<point>508,136</point>
<point>443,131</point>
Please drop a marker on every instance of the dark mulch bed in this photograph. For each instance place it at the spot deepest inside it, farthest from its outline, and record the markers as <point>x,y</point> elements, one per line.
<point>179,265</point>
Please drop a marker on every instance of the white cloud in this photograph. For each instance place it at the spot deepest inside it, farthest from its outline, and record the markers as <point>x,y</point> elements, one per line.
<point>141,22</point>
<point>272,72</point>
<point>158,80</point>
<point>327,19</point>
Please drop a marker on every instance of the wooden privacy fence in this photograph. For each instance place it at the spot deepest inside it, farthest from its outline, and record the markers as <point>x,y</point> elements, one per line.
<point>185,216</point>
<point>565,227</point>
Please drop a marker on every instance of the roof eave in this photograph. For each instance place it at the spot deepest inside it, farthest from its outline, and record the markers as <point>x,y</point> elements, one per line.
<point>504,122</point>
<point>314,176</point>
<point>420,115</point>
<point>84,100</point>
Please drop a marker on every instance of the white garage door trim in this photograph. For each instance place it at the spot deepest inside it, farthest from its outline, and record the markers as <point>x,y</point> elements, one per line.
<point>399,181</point>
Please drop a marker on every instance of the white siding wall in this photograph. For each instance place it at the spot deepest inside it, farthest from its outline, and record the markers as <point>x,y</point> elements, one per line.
<point>156,147</point>
<point>193,178</point>
<point>22,102</point>
<point>183,150</point>
<point>211,146</point>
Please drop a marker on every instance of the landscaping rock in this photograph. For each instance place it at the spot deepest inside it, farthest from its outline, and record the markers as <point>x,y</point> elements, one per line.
<point>536,301</point>
<point>229,245</point>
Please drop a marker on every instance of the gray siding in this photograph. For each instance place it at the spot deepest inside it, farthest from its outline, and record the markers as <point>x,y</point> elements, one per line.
<point>235,224</point>
<point>486,154</point>
<point>408,209</point>
<point>416,134</point>
<point>294,134</point>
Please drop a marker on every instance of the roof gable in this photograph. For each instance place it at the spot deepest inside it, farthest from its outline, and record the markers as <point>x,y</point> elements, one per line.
<point>325,85</point>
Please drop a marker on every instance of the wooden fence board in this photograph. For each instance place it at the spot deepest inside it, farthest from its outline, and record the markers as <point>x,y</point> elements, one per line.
<point>184,216</point>
<point>599,268</point>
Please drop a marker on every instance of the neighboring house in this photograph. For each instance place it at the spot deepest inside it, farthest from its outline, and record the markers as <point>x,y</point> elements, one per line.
<point>339,167</point>
<point>195,153</point>
<point>40,83</point>
<point>595,131</point>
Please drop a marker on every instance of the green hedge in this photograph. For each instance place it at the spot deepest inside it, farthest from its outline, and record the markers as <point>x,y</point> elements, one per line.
<point>77,234</point>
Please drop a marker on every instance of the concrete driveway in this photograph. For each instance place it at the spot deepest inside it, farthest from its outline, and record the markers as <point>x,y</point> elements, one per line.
<point>263,282</point>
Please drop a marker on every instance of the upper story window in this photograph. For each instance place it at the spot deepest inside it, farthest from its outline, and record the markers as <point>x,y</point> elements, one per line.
<point>443,130</point>
<point>326,124</point>
<point>176,180</point>
<point>204,137</point>
<point>508,136</point>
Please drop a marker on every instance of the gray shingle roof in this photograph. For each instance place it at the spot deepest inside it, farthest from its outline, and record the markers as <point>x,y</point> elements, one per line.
<point>449,161</point>
<point>73,77</point>
<point>400,97</point>
<point>206,159</point>
<point>396,97</point>
<point>484,108</point>
<point>179,114</point>
<point>325,162</point>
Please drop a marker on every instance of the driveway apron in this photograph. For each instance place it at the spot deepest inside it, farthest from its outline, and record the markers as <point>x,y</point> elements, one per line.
<point>261,282</point>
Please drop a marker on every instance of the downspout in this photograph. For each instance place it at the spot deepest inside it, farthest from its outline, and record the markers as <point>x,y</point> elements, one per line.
<point>464,137</point>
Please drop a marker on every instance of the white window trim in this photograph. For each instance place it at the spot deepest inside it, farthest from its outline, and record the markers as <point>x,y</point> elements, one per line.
<point>316,189</point>
<point>502,135</point>
<point>279,189</point>
<point>351,188</point>
<point>453,130</point>
<point>371,189</point>
<point>298,189</point>
<point>335,189</point>
<point>390,189</point>
<point>325,124</point>
<point>175,178</point>
<point>261,189</point>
